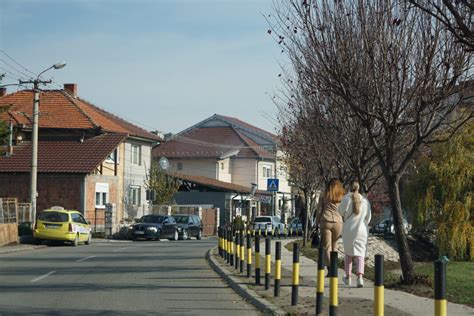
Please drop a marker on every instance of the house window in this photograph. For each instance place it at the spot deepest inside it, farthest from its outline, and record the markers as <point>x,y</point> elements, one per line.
<point>113,157</point>
<point>101,194</point>
<point>222,166</point>
<point>135,195</point>
<point>180,166</point>
<point>136,155</point>
<point>267,171</point>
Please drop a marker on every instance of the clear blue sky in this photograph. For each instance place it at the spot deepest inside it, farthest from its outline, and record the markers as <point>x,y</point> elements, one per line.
<point>162,64</point>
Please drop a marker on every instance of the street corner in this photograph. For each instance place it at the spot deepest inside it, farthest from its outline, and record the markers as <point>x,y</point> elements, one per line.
<point>241,286</point>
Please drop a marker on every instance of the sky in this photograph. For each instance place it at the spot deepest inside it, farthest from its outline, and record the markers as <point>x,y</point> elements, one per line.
<point>161,64</point>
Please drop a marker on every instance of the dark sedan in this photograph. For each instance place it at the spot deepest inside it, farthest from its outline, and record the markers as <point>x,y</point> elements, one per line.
<point>154,227</point>
<point>189,226</point>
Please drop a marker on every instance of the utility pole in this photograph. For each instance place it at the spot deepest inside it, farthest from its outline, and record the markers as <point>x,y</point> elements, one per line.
<point>34,137</point>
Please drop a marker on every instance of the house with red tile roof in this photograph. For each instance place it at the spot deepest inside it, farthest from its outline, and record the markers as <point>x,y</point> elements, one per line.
<point>87,156</point>
<point>228,150</point>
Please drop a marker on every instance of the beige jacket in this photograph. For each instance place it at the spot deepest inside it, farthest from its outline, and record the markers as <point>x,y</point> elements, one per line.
<point>327,212</point>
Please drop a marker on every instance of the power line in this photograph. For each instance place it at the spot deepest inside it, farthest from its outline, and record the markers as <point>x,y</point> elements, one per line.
<point>12,59</point>
<point>18,71</point>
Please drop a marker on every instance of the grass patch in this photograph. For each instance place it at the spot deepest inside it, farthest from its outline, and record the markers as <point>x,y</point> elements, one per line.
<point>459,277</point>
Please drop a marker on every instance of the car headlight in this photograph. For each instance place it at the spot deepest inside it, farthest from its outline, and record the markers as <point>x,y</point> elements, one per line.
<point>180,229</point>
<point>153,229</point>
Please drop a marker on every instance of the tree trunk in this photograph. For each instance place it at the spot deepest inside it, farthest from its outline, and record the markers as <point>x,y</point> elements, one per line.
<point>305,218</point>
<point>406,261</point>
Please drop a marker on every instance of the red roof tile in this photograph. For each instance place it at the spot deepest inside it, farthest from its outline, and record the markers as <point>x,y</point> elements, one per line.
<point>69,156</point>
<point>59,109</point>
<point>210,142</point>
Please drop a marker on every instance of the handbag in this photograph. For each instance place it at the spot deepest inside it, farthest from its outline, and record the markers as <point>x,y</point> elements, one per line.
<point>315,239</point>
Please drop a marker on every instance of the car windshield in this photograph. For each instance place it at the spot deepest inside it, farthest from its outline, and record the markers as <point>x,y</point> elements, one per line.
<point>152,219</point>
<point>262,219</point>
<point>56,217</point>
<point>182,219</point>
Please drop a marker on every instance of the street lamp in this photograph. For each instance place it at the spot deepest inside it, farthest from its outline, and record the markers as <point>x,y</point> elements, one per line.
<point>34,137</point>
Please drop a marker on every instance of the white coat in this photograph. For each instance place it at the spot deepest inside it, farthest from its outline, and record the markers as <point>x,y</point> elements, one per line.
<point>355,230</point>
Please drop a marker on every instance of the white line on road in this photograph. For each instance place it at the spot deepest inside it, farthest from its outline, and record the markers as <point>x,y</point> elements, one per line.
<point>83,259</point>
<point>120,249</point>
<point>43,276</point>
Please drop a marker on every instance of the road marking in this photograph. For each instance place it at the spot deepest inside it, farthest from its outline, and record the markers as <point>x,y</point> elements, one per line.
<point>43,276</point>
<point>83,259</point>
<point>120,249</point>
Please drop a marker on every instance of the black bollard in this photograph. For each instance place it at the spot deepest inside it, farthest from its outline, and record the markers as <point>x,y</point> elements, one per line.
<point>378,287</point>
<point>333,284</point>
<point>267,263</point>
<point>257,260</point>
<point>249,256</point>
<point>296,274</point>
<point>277,268</point>
<point>440,288</point>
<point>320,286</point>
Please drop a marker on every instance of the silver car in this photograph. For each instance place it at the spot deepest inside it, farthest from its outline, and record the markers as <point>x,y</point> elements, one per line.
<point>269,224</point>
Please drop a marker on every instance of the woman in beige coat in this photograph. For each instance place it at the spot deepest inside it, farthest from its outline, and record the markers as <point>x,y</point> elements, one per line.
<point>328,217</point>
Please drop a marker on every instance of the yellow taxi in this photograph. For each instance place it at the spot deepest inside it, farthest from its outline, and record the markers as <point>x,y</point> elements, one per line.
<point>64,225</point>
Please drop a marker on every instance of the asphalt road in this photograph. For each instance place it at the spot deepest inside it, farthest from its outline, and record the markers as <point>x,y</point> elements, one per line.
<point>133,278</point>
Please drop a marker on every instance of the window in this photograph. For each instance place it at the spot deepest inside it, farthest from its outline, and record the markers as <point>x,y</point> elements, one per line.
<point>136,155</point>
<point>135,192</point>
<point>113,156</point>
<point>77,218</point>
<point>222,166</point>
<point>101,194</point>
<point>267,171</point>
<point>180,166</point>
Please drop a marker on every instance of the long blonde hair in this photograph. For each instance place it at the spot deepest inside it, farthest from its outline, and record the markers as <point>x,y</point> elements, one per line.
<point>356,199</point>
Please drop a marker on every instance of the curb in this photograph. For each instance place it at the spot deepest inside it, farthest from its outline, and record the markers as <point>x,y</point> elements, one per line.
<point>243,290</point>
<point>18,249</point>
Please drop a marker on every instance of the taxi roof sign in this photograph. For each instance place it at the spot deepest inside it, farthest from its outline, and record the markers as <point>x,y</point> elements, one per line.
<point>272,185</point>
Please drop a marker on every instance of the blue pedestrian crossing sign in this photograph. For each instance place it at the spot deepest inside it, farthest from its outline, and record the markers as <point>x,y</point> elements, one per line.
<point>272,185</point>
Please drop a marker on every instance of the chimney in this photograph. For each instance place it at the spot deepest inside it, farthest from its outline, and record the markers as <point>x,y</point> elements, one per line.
<point>3,91</point>
<point>71,88</point>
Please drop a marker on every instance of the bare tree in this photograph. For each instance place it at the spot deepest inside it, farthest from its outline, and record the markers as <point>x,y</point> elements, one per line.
<point>397,71</point>
<point>457,16</point>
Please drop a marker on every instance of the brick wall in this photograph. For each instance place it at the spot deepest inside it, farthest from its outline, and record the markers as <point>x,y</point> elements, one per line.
<point>53,189</point>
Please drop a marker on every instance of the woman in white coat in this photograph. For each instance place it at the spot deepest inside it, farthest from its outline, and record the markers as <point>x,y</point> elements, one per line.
<point>356,213</point>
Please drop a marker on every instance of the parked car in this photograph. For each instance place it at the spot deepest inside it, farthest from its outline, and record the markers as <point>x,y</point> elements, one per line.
<point>269,224</point>
<point>63,225</point>
<point>296,226</point>
<point>386,227</point>
<point>189,226</point>
<point>152,227</point>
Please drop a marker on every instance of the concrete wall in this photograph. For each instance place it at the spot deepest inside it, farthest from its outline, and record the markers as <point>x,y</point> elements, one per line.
<point>8,234</point>
<point>244,171</point>
<point>224,170</point>
<point>92,212</point>
<point>135,174</point>
<point>215,198</point>
<point>195,167</point>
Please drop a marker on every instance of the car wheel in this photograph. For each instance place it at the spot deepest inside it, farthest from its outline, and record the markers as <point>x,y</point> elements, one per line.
<point>176,235</point>
<point>199,236</point>
<point>89,239</point>
<point>185,234</point>
<point>75,242</point>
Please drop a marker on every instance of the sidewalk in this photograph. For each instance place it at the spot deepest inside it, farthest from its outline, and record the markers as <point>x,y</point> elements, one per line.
<point>351,301</point>
<point>408,303</point>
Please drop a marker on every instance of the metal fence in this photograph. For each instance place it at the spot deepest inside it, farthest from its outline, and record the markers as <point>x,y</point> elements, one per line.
<point>8,210</point>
